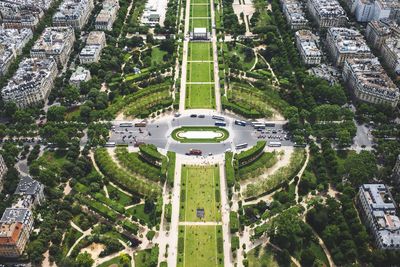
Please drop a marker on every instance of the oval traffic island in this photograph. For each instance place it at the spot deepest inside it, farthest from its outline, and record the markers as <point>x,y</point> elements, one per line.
<point>200,134</point>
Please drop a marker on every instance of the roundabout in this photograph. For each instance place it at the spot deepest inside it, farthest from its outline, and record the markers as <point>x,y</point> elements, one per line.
<point>199,134</point>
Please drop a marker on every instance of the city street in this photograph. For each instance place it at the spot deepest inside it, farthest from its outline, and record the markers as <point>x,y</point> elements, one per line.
<point>158,132</point>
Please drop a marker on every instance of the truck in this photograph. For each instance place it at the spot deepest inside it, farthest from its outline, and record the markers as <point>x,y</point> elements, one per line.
<point>125,124</point>
<point>258,125</point>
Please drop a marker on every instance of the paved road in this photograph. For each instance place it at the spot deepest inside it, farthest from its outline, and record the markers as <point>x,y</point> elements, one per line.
<point>158,132</point>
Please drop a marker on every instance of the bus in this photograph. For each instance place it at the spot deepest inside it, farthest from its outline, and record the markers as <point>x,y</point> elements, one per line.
<point>269,124</point>
<point>140,124</point>
<point>126,124</point>
<point>241,146</point>
<point>218,118</point>
<point>241,123</point>
<point>220,123</point>
<point>110,144</point>
<point>274,144</point>
<point>258,125</point>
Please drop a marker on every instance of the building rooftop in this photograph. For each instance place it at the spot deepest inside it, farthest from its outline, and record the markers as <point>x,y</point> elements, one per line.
<point>53,39</point>
<point>370,73</point>
<point>328,8</point>
<point>12,215</point>
<point>308,42</point>
<point>80,75</point>
<point>95,38</point>
<point>200,30</point>
<point>71,10</point>
<point>31,71</point>
<point>385,26</point>
<point>28,186</point>
<point>348,40</point>
<point>383,209</point>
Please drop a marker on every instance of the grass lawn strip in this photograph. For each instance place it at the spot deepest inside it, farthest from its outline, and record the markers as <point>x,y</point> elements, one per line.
<point>200,189</point>
<point>200,51</point>
<point>200,72</point>
<point>175,134</point>
<point>200,246</point>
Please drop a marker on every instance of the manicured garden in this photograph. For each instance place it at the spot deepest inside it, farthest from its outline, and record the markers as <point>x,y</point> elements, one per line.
<point>201,72</point>
<point>220,134</point>
<point>200,51</point>
<point>200,96</point>
<point>200,246</point>
<point>121,177</point>
<point>200,190</point>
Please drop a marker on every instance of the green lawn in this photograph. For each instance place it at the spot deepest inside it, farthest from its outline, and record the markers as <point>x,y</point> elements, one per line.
<point>200,96</point>
<point>119,196</point>
<point>200,51</point>
<point>114,262</point>
<point>199,1</point>
<point>244,63</point>
<point>178,131</point>
<point>200,72</point>
<point>200,246</point>
<point>200,189</point>
<point>199,11</point>
<point>138,213</point>
<point>157,56</point>
<point>263,256</point>
<point>200,23</point>
<point>147,257</point>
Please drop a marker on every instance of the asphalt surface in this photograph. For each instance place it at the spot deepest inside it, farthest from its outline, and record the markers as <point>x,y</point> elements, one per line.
<point>158,132</point>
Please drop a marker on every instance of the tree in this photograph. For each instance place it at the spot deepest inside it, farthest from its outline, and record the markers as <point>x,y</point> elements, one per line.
<point>71,94</point>
<point>55,113</point>
<point>84,260</point>
<point>360,168</point>
<point>124,259</point>
<point>307,257</point>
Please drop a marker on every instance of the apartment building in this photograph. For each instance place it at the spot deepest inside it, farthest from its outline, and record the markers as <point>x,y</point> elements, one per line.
<point>95,43</point>
<point>79,76</point>
<point>107,15</point>
<point>73,13</point>
<point>391,54</point>
<point>368,10</point>
<point>55,42</point>
<point>378,211</point>
<point>379,30</point>
<point>327,13</point>
<point>18,14</point>
<point>12,41</point>
<point>344,43</point>
<point>3,172</point>
<point>294,13</point>
<point>306,43</point>
<point>31,191</point>
<point>15,228</point>
<point>32,82</point>
<point>368,81</point>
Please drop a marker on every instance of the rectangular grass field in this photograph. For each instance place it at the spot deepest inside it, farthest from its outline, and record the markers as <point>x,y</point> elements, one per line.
<point>200,11</point>
<point>200,23</point>
<point>200,51</point>
<point>200,246</point>
<point>199,1</point>
<point>200,72</point>
<point>200,190</point>
<point>200,96</point>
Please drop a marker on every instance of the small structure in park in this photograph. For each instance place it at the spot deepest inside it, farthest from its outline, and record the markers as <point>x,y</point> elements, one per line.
<point>200,34</point>
<point>200,213</point>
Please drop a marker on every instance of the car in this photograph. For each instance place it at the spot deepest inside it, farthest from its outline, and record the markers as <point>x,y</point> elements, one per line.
<point>176,115</point>
<point>202,116</point>
<point>129,136</point>
<point>193,115</point>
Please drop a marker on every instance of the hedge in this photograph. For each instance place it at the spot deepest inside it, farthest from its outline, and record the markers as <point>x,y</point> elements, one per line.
<point>121,177</point>
<point>171,168</point>
<point>248,156</point>
<point>98,207</point>
<point>134,163</point>
<point>229,169</point>
<point>233,222</point>
<point>240,110</point>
